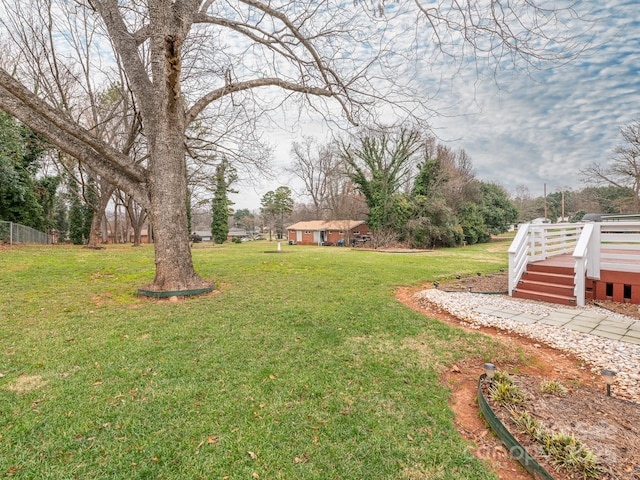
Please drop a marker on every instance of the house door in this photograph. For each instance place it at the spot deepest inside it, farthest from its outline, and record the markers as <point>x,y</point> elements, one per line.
<point>298,236</point>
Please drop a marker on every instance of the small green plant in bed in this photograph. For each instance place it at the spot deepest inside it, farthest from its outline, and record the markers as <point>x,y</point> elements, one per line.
<point>553,387</point>
<point>504,392</point>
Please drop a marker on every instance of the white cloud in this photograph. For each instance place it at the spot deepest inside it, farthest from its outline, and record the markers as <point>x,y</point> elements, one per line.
<point>520,128</point>
<point>544,127</point>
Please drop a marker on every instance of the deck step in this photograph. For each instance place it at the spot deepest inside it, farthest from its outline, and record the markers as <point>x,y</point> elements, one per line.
<point>557,269</point>
<point>546,277</point>
<point>546,287</point>
<point>547,283</point>
<point>543,297</point>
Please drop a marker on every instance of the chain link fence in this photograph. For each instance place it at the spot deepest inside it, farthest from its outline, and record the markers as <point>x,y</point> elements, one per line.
<point>15,233</point>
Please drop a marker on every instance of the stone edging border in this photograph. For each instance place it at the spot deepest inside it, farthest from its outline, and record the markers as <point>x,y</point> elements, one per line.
<point>178,293</point>
<point>516,450</point>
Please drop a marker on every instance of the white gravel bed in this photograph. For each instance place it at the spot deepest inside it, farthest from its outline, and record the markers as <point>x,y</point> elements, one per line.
<point>598,352</point>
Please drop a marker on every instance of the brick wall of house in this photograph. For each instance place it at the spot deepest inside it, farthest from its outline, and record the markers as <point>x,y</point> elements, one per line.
<point>331,236</point>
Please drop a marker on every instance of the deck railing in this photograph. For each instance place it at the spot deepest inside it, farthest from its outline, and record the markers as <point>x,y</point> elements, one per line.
<point>518,256</point>
<point>620,246</point>
<point>607,245</point>
<point>587,258</point>
<point>534,243</point>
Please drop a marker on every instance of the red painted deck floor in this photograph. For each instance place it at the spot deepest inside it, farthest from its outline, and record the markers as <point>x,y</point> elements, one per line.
<point>558,261</point>
<point>569,262</point>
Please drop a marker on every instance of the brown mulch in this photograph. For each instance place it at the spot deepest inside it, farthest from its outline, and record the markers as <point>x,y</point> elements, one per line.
<point>607,425</point>
<point>603,424</point>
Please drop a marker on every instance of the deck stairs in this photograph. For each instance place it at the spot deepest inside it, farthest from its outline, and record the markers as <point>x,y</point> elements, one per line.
<point>570,263</point>
<point>547,283</point>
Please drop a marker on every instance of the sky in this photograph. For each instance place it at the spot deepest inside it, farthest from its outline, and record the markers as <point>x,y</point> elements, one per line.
<point>527,128</point>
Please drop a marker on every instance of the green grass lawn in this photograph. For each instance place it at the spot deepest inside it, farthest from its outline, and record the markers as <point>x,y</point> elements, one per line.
<point>301,366</point>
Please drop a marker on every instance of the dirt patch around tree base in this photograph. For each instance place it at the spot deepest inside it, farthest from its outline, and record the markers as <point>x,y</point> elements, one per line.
<point>536,361</point>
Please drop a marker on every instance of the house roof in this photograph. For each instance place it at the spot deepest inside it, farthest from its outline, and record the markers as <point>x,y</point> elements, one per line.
<point>238,232</point>
<point>316,225</point>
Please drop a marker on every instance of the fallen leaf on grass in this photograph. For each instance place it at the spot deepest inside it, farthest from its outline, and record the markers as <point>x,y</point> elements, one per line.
<point>252,455</point>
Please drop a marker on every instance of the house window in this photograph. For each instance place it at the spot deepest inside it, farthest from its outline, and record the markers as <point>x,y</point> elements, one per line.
<point>340,232</point>
<point>627,292</point>
<point>356,232</point>
<point>307,232</point>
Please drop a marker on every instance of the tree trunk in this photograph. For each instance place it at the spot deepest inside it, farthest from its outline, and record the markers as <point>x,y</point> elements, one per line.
<point>167,169</point>
<point>137,216</point>
<point>115,223</point>
<point>95,234</point>
<point>174,267</point>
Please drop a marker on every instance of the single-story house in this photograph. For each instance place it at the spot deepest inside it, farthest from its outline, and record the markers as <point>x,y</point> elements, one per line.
<point>205,235</point>
<point>333,232</point>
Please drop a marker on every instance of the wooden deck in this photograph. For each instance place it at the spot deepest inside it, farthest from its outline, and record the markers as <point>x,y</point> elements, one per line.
<point>570,263</point>
<point>552,280</point>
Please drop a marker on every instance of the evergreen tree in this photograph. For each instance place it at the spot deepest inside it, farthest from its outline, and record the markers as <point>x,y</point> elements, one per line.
<point>20,151</point>
<point>220,206</point>
<point>498,212</point>
<point>45,190</point>
<point>76,222</point>
<point>80,215</point>
<point>472,223</point>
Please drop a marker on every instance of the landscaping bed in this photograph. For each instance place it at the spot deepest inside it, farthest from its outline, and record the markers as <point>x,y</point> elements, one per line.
<point>606,425</point>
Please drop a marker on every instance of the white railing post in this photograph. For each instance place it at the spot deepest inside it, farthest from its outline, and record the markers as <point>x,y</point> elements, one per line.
<point>580,275</point>
<point>518,255</point>
<point>595,247</point>
<point>582,256</point>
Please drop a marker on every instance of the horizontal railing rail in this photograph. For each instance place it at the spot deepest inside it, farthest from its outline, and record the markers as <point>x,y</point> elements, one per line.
<point>620,246</point>
<point>552,240</point>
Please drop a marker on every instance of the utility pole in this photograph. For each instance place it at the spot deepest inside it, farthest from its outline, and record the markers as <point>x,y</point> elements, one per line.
<point>545,203</point>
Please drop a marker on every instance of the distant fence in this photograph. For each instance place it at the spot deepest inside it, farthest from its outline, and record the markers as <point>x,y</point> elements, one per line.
<point>15,233</point>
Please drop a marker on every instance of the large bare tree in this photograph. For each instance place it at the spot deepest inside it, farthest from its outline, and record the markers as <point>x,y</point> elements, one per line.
<point>185,60</point>
<point>315,165</point>
<point>623,170</point>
